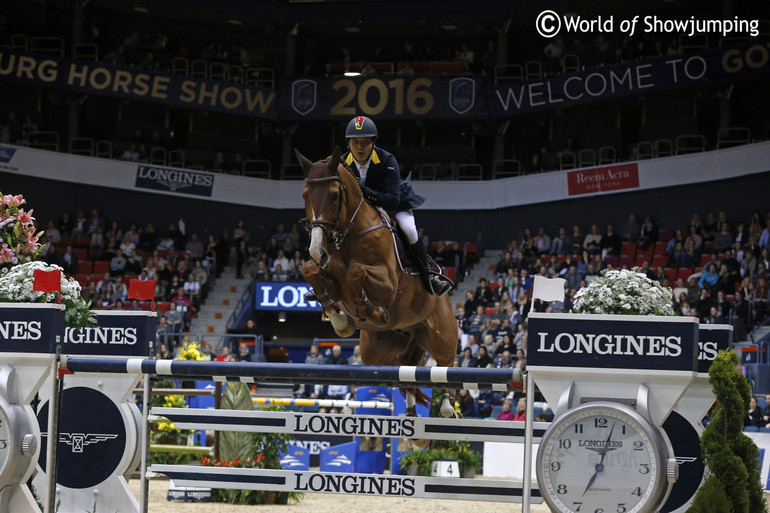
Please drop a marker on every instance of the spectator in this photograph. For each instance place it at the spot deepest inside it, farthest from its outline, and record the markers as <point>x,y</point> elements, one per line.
<point>507,413</point>
<point>241,244</point>
<point>695,237</point>
<point>592,241</point>
<point>69,262</point>
<point>708,279</point>
<point>131,154</point>
<point>483,360</point>
<point>483,295</point>
<point>243,353</point>
<point>521,409</point>
<point>610,242</point>
<point>646,233</point>
<point>337,358</point>
<point>467,359</point>
<point>754,415</point>
<point>314,356</point>
<point>355,358</point>
<point>468,407</point>
<point>630,230</point>
<point>118,263</point>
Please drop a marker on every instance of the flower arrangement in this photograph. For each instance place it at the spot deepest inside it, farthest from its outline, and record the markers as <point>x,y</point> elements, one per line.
<point>19,247</point>
<point>18,241</point>
<point>624,291</point>
<point>190,351</point>
<point>16,285</point>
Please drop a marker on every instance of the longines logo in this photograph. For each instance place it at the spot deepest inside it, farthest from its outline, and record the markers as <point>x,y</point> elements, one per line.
<point>609,344</point>
<point>111,336</point>
<point>78,441</point>
<point>20,330</point>
<point>600,444</point>
<point>174,180</point>
<point>362,484</point>
<point>361,426</point>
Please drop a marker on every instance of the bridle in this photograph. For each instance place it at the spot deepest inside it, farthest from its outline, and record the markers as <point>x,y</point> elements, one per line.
<point>335,231</point>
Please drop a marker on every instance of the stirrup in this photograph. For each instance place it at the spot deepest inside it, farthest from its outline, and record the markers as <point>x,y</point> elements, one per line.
<point>310,295</point>
<point>439,287</point>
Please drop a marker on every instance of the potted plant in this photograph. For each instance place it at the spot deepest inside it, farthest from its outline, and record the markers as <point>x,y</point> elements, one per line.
<point>416,462</point>
<point>468,460</point>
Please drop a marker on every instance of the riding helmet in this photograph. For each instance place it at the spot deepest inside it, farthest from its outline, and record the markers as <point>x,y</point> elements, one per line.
<point>361,126</point>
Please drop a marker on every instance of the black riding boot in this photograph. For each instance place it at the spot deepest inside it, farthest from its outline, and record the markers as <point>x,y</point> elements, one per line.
<point>433,284</point>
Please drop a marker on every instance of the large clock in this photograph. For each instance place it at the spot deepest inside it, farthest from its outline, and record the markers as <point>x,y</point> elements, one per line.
<point>604,457</point>
<point>18,439</point>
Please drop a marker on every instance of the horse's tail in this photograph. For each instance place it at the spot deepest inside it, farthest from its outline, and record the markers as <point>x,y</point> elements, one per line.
<point>420,397</point>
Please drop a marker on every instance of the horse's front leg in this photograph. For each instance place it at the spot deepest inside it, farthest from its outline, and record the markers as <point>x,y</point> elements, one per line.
<point>327,294</point>
<point>373,290</point>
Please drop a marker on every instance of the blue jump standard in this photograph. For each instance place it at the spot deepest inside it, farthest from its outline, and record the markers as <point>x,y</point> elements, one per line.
<point>366,375</point>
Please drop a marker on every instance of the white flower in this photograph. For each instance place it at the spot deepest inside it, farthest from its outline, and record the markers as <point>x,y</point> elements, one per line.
<point>17,283</point>
<point>624,292</point>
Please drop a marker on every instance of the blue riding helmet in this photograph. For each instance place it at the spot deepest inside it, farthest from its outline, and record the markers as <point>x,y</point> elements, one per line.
<point>361,126</point>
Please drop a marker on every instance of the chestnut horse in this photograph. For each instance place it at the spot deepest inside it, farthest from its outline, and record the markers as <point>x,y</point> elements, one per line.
<point>359,281</point>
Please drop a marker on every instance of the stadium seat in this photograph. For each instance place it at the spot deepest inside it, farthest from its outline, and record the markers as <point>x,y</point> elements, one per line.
<point>496,410</point>
<point>665,235</point>
<point>625,261</point>
<point>683,273</point>
<point>85,267</point>
<point>670,274</point>
<point>659,260</point>
<point>611,259</point>
<point>660,248</point>
<point>101,267</point>
<point>750,429</point>
<point>628,249</point>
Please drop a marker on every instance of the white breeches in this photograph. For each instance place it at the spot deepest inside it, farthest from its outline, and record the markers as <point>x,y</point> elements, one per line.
<point>406,222</point>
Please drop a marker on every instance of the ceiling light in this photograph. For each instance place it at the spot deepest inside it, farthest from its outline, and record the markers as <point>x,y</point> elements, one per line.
<point>352,29</point>
<point>144,10</point>
<point>235,22</point>
<point>352,73</point>
<point>449,27</point>
<point>282,317</point>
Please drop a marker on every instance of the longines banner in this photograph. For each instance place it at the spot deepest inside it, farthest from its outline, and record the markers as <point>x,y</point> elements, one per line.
<point>30,328</point>
<point>115,334</point>
<point>390,96</point>
<point>277,295</point>
<point>613,341</point>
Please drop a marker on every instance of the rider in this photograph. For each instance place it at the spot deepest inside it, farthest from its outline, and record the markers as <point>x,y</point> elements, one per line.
<point>378,175</point>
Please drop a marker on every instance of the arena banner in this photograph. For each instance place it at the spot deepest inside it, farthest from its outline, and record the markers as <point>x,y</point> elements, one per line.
<point>284,296</point>
<point>631,78</point>
<point>383,97</point>
<point>613,341</point>
<point>139,84</point>
<point>603,179</point>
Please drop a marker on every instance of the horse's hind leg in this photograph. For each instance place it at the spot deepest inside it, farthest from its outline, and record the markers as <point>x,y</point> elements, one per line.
<point>441,343</point>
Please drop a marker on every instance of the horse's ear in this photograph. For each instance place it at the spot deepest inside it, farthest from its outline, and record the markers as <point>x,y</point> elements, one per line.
<point>304,162</point>
<point>334,162</point>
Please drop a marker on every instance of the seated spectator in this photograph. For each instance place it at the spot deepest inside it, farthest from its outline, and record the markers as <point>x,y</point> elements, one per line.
<point>505,361</point>
<point>468,407</point>
<point>314,356</point>
<point>485,402</point>
<point>610,242</point>
<point>708,279</point>
<point>483,360</point>
<point>355,358</point>
<point>467,359</point>
<point>193,290</point>
<point>243,353</point>
<point>336,357</point>
<point>131,154</point>
<point>592,241</point>
<point>646,233</point>
<point>723,240</point>
<point>521,409</point>
<point>559,243</point>
<point>118,263</point>
<point>119,289</point>
<point>507,413</point>
<point>754,415</point>
<point>69,262</point>
<point>630,230</point>
<point>695,237</point>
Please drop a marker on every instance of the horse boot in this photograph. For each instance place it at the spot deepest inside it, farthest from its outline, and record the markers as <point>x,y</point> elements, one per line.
<point>433,284</point>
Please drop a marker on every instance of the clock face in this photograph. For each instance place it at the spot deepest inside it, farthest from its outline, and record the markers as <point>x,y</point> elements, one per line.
<point>5,441</point>
<point>601,458</point>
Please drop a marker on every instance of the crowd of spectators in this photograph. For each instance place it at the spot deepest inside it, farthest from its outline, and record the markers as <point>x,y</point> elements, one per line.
<point>717,273</point>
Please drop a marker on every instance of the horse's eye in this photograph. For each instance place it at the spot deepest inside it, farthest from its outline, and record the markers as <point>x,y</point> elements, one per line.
<point>335,196</point>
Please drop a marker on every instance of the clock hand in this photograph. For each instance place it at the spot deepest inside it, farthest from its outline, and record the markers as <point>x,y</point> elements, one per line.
<point>600,466</point>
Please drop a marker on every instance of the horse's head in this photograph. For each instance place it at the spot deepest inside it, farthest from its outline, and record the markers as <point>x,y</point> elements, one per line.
<point>327,193</point>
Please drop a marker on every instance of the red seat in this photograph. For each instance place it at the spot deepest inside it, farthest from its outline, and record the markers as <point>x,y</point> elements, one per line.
<point>101,267</point>
<point>493,286</point>
<point>628,249</point>
<point>162,307</point>
<point>450,272</point>
<point>670,274</point>
<point>85,267</point>
<point>658,261</point>
<point>82,279</point>
<point>577,258</point>
<point>611,259</point>
<point>82,242</point>
<point>684,273</point>
<point>640,260</point>
<point>95,278</point>
<point>665,235</point>
<point>645,252</point>
<point>730,298</point>
<point>660,248</point>
<point>625,261</point>
<point>489,310</point>
<point>704,259</point>
<point>560,259</point>
<point>80,253</point>
<point>66,241</point>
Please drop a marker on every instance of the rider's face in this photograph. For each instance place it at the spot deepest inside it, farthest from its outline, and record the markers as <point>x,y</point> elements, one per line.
<point>361,148</point>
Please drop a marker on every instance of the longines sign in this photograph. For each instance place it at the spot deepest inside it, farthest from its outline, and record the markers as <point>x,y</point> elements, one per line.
<point>596,341</point>
<point>284,296</point>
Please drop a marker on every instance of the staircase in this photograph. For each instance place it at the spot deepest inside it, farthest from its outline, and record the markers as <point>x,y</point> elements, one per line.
<point>213,315</point>
<point>478,271</point>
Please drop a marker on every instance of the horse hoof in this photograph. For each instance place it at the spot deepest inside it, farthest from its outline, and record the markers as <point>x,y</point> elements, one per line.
<point>411,412</point>
<point>420,443</point>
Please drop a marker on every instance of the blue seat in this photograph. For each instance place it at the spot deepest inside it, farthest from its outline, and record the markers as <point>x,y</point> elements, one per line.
<point>764,430</point>
<point>753,429</point>
<point>497,409</point>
